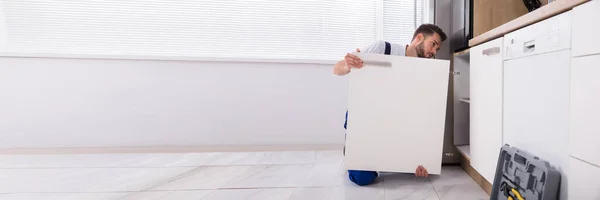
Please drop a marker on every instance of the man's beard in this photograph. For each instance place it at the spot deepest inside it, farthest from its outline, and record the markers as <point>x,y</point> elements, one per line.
<point>420,50</point>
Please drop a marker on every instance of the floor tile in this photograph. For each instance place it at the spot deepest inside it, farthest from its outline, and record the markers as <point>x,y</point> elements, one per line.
<point>330,157</point>
<point>68,160</point>
<point>455,183</point>
<point>407,186</point>
<point>151,195</point>
<point>105,160</point>
<point>323,175</point>
<point>168,195</point>
<point>236,158</point>
<point>451,175</point>
<point>357,193</point>
<point>168,160</point>
<point>205,178</point>
<point>62,196</point>
<point>85,179</point>
<point>251,194</point>
<point>462,191</point>
<point>289,157</point>
<point>187,195</point>
<point>228,175</point>
<point>268,176</point>
<point>322,193</point>
<point>231,194</point>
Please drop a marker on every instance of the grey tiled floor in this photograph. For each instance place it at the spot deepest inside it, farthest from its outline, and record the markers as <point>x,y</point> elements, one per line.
<point>302,175</point>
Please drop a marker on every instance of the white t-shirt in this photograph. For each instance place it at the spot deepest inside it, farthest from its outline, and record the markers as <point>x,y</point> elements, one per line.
<point>378,47</point>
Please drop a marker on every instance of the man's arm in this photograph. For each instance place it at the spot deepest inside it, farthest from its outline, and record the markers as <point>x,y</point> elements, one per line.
<point>340,68</point>
<point>350,61</point>
<point>344,66</point>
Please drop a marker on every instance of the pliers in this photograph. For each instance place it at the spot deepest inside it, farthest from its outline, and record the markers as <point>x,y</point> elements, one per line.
<point>511,193</point>
<point>516,195</point>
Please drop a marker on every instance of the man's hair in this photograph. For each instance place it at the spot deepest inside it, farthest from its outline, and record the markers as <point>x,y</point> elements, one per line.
<point>429,29</point>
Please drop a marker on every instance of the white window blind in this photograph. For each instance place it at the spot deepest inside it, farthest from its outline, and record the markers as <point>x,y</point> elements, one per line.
<point>400,19</point>
<point>202,29</point>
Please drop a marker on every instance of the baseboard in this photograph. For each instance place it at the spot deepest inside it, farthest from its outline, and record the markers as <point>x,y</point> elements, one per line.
<point>179,149</point>
<point>465,163</point>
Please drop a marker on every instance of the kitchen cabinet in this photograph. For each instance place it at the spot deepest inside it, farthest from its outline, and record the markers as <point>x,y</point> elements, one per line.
<point>486,107</point>
<point>550,93</point>
<point>461,99</point>
<point>586,29</point>
<point>585,109</point>
<point>584,181</point>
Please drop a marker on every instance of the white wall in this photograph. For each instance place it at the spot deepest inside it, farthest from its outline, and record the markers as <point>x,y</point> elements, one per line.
<point>49,103</point>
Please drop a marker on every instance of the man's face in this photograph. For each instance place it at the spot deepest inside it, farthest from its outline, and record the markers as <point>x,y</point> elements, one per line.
<point>429,45</point>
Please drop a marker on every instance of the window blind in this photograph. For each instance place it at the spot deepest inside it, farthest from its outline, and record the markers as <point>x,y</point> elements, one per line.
<point>400,19</point>
<point>245,29</point>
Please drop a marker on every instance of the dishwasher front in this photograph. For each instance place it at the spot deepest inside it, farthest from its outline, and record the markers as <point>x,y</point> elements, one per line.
<point>536,91</point>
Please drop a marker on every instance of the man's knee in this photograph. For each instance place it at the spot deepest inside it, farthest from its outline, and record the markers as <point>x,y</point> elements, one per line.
<point>362,178</point>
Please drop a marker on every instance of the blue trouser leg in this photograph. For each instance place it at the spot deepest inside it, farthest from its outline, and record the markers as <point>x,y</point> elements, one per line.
<point>345,124</point>
<point>362,178</point>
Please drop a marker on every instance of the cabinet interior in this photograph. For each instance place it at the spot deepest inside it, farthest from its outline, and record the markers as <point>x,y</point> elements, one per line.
<point>461,101</point>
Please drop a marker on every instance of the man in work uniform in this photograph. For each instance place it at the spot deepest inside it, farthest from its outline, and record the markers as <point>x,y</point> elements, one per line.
<point>425,43</point>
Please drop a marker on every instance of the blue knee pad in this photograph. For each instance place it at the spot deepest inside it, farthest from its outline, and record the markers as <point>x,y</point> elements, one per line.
<point>362,178</point>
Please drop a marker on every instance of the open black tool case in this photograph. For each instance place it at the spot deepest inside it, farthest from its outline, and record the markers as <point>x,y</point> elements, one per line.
<point>521,176</point>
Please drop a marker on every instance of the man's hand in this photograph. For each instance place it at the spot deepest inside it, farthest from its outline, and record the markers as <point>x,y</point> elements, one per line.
<point>421,172</point>
<point>353,61</point>
<point>344,66</point>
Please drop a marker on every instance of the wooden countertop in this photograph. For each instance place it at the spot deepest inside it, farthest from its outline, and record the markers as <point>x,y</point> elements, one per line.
<point>540,14</point>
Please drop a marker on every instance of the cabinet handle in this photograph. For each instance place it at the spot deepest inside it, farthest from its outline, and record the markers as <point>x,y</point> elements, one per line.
<point>491,51</point>
<point>380,63</point>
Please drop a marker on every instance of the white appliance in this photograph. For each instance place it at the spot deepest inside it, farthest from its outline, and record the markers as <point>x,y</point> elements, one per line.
<point>397,114</point>
<point>536,90</point>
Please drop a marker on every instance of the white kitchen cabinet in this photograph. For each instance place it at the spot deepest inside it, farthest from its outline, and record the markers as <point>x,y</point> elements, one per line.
<point>586,29</point>
<point>584,180</point>
<point>585,109</point>
<point>486,107</point>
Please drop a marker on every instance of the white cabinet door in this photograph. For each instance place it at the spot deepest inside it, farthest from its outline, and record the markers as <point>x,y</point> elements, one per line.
<point>585,29</point>
<point>585,109</point>
<point>486,107</point>
<point>584,180</point>
<point>397,114</point>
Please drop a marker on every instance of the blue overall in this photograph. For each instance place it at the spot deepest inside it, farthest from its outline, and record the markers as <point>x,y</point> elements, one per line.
<point>363,177</point>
